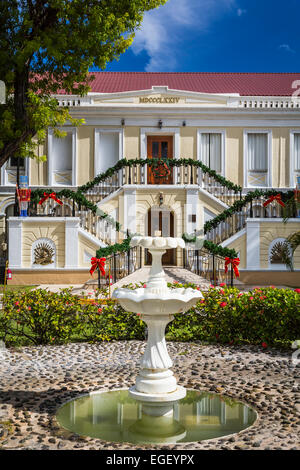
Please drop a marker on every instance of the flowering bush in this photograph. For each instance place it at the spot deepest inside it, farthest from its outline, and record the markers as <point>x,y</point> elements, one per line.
<point>263,316</point>
<point>43,317</point>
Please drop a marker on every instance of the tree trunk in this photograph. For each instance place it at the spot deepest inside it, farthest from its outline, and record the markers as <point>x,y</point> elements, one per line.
<point>21,87</point>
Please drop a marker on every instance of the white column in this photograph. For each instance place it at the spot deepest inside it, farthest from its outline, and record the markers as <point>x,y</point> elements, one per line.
<point>253,244</point>
<point>130,210</point>
<point>71,242</point>
<point>191,208</point>
<point>15,242</point>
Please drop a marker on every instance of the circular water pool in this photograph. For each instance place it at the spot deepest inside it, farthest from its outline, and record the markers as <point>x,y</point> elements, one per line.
<point>115,417</point>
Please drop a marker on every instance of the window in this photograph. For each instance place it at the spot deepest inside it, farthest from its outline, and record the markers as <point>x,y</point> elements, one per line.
<point>257,148</point>
<point>108,148</point>
<point>211,151</point>
<point>295,158</point>
<point>13,163</point>
<point>258,152</point>
<point>297,152</point>
<point>62,158</point>
<point>9,170</point>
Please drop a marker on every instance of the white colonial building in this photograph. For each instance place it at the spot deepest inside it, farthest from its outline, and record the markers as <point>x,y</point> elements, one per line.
<point>246,127</point>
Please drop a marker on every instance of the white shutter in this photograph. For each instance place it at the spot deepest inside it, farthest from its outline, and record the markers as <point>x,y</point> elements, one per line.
<point>257,152</point>
<point>62,153</point>
<point>205,149</point>
<point>215,152</point>
<point>211,151</point>
<point>108,151</point>
<point>297,151</point>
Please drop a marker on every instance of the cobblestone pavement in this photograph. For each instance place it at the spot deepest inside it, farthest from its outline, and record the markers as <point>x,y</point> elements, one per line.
<point>36,381</point>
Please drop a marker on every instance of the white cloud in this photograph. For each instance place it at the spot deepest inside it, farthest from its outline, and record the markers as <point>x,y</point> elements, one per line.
<point>286,47</point>
<point>163,28</point>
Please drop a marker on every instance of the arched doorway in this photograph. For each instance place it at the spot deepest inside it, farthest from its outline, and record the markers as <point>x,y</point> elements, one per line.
<point>161,219</point>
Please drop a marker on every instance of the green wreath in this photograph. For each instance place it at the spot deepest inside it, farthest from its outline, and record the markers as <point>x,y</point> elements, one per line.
<point>160,168</point>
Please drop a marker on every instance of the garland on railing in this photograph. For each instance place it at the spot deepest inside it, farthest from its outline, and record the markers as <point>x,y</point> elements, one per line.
<point>171,162</point>
<point>116,248</point>
<point>238,205</point>
<point>213,248</point>
<point>76,196</point>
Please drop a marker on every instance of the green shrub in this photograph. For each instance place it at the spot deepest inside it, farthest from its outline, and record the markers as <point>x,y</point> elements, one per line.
<point>43,317</point>
<point>264,316</point>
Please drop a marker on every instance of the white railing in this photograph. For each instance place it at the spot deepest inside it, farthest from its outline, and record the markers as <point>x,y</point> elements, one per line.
<point>272,103</point>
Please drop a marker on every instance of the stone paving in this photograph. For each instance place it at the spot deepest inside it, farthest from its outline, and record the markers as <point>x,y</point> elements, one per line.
<point>172,274</point>
<point>36,381</point>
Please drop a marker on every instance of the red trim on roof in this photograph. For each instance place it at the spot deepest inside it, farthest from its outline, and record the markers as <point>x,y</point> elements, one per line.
<point>246,84</point>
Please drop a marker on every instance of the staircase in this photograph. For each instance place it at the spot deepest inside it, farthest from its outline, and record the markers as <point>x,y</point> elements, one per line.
<point>84,204</point>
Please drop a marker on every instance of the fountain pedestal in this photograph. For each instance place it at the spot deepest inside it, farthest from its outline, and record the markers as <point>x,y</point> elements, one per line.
<point>156,387</point>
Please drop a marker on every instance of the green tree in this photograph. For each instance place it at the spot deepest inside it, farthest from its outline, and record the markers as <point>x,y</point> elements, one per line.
<point>49,45</point>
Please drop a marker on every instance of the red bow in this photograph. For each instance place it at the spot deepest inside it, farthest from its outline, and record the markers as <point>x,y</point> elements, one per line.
<point>52,196</point>
<point>274,198</point>
<point>234,262</point>
<point>98,262</point>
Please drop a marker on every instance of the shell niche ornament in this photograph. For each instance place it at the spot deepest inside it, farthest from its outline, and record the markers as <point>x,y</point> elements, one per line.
<point>43,254</point>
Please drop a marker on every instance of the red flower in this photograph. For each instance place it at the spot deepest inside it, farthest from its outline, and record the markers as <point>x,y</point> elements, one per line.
<point>222,292</point>
<point>217,336</point>
<point>144,285</point>
<point>17,303</point>
<point>202,301</point>
<point>264,345</point>
<point>29,308</point>
<point>240,294</point>
<point>251,298</point>
<point>262,297</point>
<point>212,286</point>
<point>222,284</point>
<point>99,310</point>
<point>297,290</point>
<point>272,287</point>
<point>223,304</point>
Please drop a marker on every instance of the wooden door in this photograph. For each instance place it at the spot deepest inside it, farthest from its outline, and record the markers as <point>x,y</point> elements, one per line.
<point>162,220</point>
<point>160,147</point>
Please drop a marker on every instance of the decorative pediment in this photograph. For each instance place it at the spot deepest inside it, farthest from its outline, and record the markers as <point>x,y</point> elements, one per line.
<point>162,96</point>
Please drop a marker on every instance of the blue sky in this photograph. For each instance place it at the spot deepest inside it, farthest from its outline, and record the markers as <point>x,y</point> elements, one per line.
<point>216,36</point>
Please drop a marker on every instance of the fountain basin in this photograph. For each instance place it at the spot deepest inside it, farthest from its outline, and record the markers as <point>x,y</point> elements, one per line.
<point>168,302</point>
<point>115,417</point>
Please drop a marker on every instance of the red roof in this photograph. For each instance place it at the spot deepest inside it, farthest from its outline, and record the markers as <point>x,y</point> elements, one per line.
<point>246,84</point>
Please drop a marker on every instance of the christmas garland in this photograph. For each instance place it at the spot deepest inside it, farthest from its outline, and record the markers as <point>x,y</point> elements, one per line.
<point>238,205</point>
<point>213,248</point>
<point>113,249</point>
<point>154,162</point>
<point>76,196</point>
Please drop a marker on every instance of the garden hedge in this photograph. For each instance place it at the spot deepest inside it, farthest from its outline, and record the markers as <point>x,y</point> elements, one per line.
<point>268,317</point>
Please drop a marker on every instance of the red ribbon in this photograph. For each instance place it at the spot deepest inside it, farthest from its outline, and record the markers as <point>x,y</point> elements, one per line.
<point>98,262</point>
<point>52,196</point>
<point>234,262</point>
<point>274,198</point>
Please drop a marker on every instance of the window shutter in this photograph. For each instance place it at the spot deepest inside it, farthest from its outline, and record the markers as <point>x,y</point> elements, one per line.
<point>258,152</point>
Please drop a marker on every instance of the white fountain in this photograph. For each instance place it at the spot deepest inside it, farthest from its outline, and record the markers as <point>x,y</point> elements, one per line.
<point>155,386</point>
